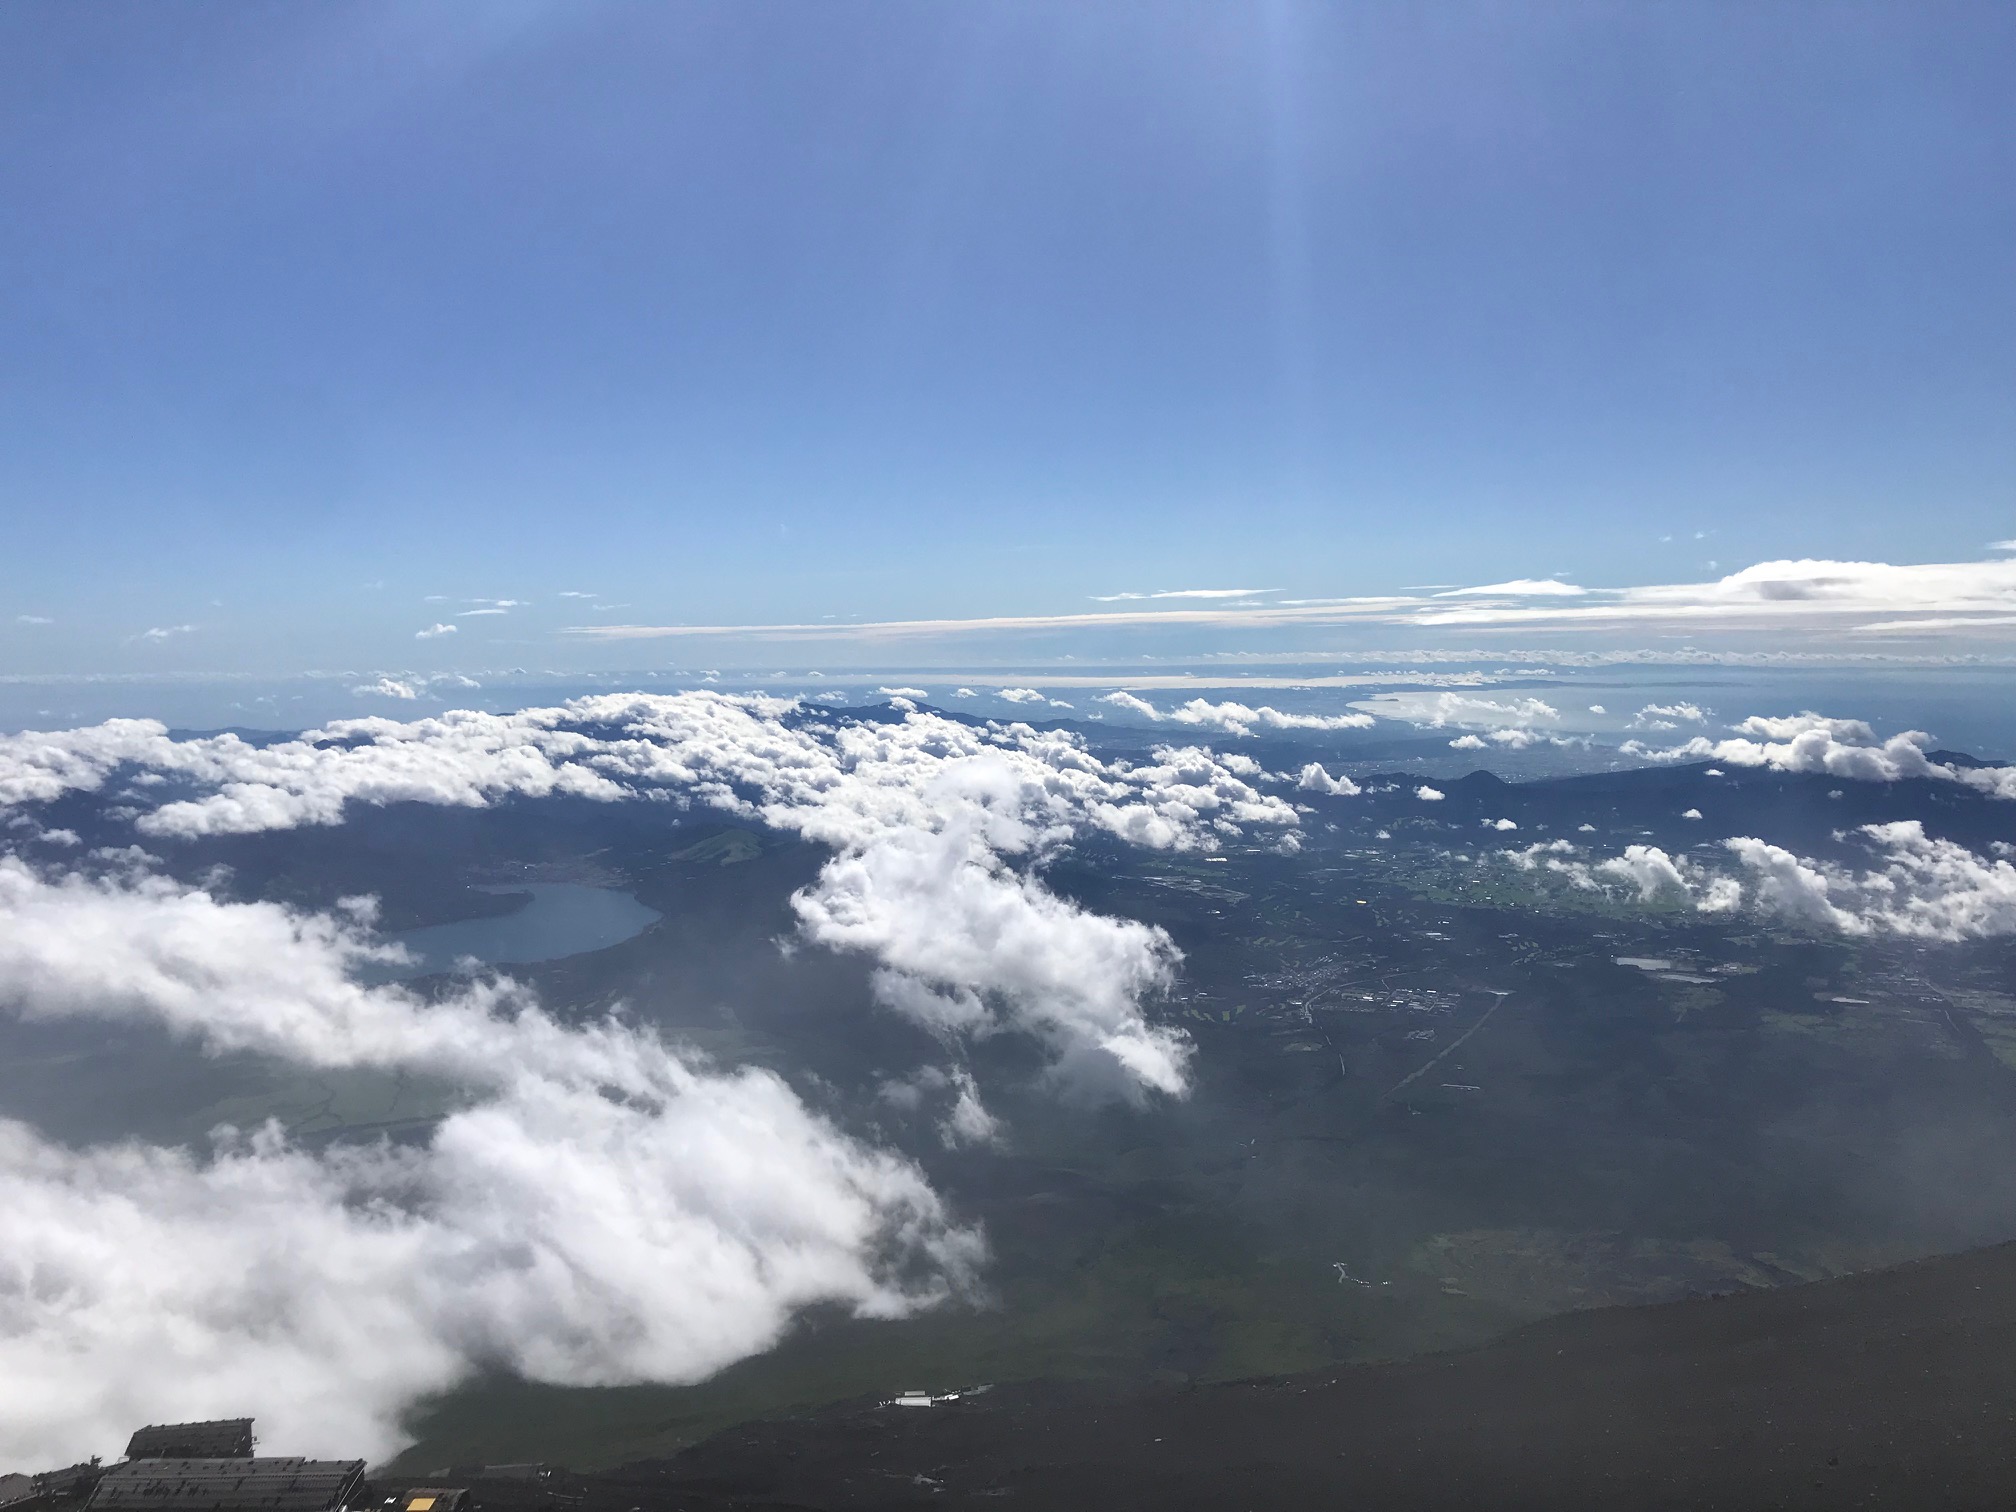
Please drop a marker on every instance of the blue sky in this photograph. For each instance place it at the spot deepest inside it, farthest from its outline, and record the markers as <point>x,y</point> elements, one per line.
<point>327,324</point>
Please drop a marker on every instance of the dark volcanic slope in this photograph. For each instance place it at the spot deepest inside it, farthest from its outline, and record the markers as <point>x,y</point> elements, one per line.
<point>1892,1389</point>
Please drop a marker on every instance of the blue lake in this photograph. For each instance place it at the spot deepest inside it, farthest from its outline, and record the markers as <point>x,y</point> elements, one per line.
<point>563,919</point>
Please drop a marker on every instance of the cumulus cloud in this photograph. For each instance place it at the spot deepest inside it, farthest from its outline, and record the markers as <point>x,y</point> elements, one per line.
<point>963,1120</point>
<point>164,632</point>
<point>598,1209</point>
<point>387,687</point>
<point>1442,710</point>
<point>1428,794</point>
<point>1314,779</point>
<point>1646,871</point>
<point>1848,748</point>
<point>1667,716</point>
<point>1235,718</point>
<point>905,692</point>
<point>933,822</point>
<point>1918,887</point>
<point>435,630</point>
<point>947,918</point>
<point>1132,703</point>
<point>1921,887</point>
<point>409,686</point>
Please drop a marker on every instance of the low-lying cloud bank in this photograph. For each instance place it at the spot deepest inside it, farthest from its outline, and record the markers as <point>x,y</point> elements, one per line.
<point>600,1208</point>
<point>1506,724</point>
<point>1234,718</point>
<point>1920,887</point>
<point>1846,748</point>
<point>936,825</point>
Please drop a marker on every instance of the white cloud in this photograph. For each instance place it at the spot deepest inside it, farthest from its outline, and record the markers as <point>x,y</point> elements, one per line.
<point>435,630</point>
<point>1810,742</point>
<point>598,1209</point>
<point>1519,588</point>
<point>1441,710</point>
<point>1236,718</point>
<point>907,692</point>
<point>933,824</point>
<point>1787,726</point>
<point>944,914</point>
<point>1183,593</point>
<point>1314,779</point>
<point>1428,794</point>
<point>1498,824</point>
<point>1019,695</point>
<point>1648,868</point>
<point>1131,703</point>
<point>1692,813</point>
<point>164,632</point>
<point>1920,887</point>
<point>33,619</point>
<point>1816,597</point>
<point>388,687</point>
<point>1667,716</point>
<point>965,1120</point>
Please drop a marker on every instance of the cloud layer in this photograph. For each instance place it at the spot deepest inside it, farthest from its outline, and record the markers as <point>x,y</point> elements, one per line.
<point>599,1209</point>
<point>1234,718</point>
<point>1846,748</point>
<point>935,822</point>
<point>1919,887</point>
<point>1876,600</point>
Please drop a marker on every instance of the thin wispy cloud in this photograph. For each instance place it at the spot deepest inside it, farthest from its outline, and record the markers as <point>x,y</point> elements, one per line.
<point>1870,599</point>
<point>1519,588</point>
<point>1183,593</point>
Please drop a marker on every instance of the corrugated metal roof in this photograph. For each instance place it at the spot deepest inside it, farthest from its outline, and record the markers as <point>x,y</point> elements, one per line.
<point>227,1485</point>
<point>220,1438</point>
